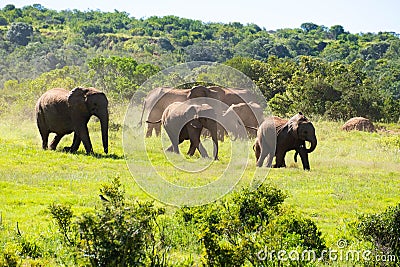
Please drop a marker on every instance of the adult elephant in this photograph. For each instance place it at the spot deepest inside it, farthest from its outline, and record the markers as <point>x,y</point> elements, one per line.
<point>228,96</point>
<point>290,135</point>
<point>251,115</point>
<point>185,121</point>
<point>156,101</point>
<point>62,112</point>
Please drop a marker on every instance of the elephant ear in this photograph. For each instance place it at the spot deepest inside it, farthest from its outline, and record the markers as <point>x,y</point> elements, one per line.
<point>77,100</point>
<point>191,113</point>
<point>295,121</point>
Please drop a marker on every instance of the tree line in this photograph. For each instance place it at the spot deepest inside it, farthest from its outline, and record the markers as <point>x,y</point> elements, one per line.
<point>319,70</point>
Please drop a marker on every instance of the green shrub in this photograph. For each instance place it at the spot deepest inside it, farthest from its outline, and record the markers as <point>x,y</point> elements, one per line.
<point>118,234</point>
<point>382,230</point>
<point>236,229</point>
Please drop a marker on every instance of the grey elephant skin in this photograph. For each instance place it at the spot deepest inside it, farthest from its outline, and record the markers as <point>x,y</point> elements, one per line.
<point>185,121</point>
<point>156,101</point>
<point>62,112</point>
<point>251,116</point>
<point>290,135</point>
<point>227,96</point>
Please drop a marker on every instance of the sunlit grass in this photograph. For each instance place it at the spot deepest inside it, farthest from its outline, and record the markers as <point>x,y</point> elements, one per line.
<point>351,174</point>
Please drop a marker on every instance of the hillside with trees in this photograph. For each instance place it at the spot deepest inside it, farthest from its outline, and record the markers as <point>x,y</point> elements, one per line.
<point>322,71</point>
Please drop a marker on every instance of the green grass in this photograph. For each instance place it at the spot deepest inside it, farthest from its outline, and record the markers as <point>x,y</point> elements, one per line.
<point>352,173</point>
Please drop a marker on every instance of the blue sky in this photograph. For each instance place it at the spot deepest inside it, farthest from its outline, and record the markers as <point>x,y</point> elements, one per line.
<point>354,15</point>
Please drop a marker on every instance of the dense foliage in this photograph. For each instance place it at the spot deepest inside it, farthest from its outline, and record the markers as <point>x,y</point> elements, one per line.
<point>382,230</point>
<point>117,234</point>
<point>249,227</point>
<point>246,228</point>
<point>316,69</point>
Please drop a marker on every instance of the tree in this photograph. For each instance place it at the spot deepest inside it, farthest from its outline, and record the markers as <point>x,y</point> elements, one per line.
<point>307,27</point>
<point>120,75</point>
<point>336,30</point>
<point>20,33</point>
<point>3,21</point>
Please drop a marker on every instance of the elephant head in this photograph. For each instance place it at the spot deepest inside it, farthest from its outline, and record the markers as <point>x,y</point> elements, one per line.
<point>85,102</point>
<point>302,129</point>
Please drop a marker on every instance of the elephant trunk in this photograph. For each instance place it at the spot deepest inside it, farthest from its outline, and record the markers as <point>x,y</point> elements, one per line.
<point>104,131</point>
<point>313,145</point>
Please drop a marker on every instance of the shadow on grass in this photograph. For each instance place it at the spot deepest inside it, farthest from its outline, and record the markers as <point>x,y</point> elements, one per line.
<point>97,155</point>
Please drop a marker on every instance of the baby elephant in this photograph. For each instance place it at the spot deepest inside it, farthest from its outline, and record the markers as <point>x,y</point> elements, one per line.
<point>62,112</point>
<point>185,121</point>
<point>289,135</point>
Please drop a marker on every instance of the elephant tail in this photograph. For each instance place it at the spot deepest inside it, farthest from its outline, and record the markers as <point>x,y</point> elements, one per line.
<point>154,122</point>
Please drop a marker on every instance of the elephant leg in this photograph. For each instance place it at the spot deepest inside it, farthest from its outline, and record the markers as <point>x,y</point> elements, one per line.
<point>149,130</point>
<point>304,158</point>
<point>157,128</point>
<point>263,154</point>
<point>175,142</point>
<point>194,137</point>
<point>45,138</point>
<point>75,144</point>
<point>214,129</point>
<point>56,140</point>
<point>221,132</point>
<point>280,159</point>
<point>44,132</point>
<point>192,147</point>
<point>170,148</point>
<point>202,150</point>
<point>83,134</point>
<point>175,148</point>
<point>257,150</point>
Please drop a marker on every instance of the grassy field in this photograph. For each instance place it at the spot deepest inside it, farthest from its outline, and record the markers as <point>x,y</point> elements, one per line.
<point>352,173</point>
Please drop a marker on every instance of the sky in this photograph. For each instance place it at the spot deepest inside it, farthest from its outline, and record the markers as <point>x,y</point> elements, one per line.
<point>356,16</point>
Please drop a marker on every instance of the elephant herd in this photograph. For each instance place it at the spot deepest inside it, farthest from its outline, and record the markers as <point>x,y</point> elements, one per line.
<point>184,114</point>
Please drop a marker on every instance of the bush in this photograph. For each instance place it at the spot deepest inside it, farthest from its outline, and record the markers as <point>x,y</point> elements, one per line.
<point>235,230</point>
<point>382,230</point>
<point>117,234</point>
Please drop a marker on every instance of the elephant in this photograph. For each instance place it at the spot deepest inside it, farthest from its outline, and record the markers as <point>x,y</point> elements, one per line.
<point>228,96</point>
<point>251,115</point>
<point>62,112</point>
<point>156,101</point>
<point>185,121</point>
<point>290,135</point>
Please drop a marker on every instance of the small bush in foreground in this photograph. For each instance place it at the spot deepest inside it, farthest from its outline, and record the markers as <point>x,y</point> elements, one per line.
<point>383,231</point>
<point>241,230</point>
<point>117,234</point>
